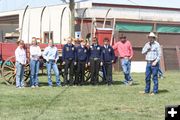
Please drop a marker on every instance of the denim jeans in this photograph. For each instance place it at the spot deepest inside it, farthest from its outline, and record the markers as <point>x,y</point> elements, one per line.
<point>151,70</point>
<point>52,65</point>
<point>34,67</point>
<point>19,75</point>
<point>126,66</point>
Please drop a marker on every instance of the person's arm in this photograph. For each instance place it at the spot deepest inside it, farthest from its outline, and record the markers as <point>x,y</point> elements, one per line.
<point>158,55</point>
<point>146,48</point>
<point>63,52</point>
<point>45,54</point>
<point>56,55</point>
<point>39,51</point>
<point>113,55</point>
<point>25,57</point>
<point>102,55</point>
<point>131,51</point>
<point>115,46</point>
<point>17,55</point>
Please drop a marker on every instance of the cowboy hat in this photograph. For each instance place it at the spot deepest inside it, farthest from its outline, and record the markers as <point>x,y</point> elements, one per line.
<point>151,34</point>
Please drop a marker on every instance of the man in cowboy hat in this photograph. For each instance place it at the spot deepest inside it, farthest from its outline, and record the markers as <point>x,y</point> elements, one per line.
<point>125,51</point>
<point>152,50</point>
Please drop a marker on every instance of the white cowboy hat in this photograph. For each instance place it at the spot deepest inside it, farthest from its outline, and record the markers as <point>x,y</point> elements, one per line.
<point>151,34</point>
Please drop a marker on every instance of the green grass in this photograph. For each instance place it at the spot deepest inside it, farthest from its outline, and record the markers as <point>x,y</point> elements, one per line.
<point>117,102</point>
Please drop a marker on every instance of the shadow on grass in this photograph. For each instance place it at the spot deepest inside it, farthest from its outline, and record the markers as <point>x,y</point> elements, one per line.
<point>163,91</point>
<point>50,103</point>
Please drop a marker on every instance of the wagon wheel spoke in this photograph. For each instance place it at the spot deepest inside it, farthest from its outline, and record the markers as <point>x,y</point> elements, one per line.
<point>13,79</point>
<point>9,67</point>
<point>7,73</point>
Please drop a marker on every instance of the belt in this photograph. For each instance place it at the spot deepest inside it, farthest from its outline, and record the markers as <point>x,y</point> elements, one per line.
<point>150,61</point>
<point>69,58</point>
<point>95,58</point>
<point>125,57</point>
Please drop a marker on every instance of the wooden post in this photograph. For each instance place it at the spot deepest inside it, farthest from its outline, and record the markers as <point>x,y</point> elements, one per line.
<point>178,55</point>
<point>162,63</point>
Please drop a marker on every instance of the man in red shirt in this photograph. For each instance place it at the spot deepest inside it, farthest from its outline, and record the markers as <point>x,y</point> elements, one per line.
<point>125,51</point>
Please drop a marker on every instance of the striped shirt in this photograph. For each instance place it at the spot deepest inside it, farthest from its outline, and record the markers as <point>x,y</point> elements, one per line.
<point>153,51</point>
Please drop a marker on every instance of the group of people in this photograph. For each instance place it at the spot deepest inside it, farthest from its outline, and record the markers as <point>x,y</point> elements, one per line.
<point>76,57</point>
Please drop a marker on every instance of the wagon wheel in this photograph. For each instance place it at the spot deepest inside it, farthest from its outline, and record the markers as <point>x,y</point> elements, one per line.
<point>87,75</point>
<point>9,71</point>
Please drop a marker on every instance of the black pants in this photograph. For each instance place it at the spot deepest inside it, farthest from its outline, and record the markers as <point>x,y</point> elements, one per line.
<point>80,72</point>
<point>69,64</point>
<point>94,68</point>
<point>108,72</point>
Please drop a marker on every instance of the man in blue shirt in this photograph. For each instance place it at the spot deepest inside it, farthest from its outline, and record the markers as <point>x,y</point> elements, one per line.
<point>51,56</point>
<point>95,61</point>
<point>152,50</point>
<point>107,57</point>
<point>82,59</point>
<point>68,57</point>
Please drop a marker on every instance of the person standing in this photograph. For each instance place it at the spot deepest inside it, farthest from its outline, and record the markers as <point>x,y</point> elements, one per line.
<point>95,61</point>
<point>82,59</point>
<point>152,50</point>
<point>51,56</point>
<point>107,58</point>
<point>125,51</point>
<point>68,57</point>
<point>35,53</point>
<point>20,55</point>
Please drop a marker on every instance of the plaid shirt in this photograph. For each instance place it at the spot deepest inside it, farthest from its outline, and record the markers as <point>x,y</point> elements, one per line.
<point>154,53</point>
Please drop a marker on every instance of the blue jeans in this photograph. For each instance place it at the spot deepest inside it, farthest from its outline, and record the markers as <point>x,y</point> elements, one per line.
<point>52,65</point>
<point>34,67</point>
<point>151,70</point>
<point>19,75</point>
<point>126,66</point>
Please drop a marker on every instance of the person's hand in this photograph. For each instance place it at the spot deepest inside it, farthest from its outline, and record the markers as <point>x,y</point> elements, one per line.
<point>101,64</point>
<point>47,59</point>
<point>112,61</point>
<point>88,63</point>
<point>75,63</point>
<point>55,61</point>
<point>63,63</point>
<point>130,57</point>
<point>154,63</point>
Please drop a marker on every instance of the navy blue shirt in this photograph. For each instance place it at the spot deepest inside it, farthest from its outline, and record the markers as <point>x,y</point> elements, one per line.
<point>107,54</point>
<point>95,51</point>
<point>68,52</point>
<point>82,53</point>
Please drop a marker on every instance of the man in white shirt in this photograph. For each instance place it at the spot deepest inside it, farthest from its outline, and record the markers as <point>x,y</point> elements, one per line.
<point>51,56</point>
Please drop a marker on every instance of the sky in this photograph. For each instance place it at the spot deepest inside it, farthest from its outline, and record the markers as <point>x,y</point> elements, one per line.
<point>9,5</point>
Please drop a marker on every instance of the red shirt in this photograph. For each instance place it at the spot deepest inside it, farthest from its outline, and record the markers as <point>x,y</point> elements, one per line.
<point>124,49</point>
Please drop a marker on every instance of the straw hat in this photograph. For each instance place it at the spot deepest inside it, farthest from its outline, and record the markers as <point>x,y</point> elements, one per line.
<point>151,34</point>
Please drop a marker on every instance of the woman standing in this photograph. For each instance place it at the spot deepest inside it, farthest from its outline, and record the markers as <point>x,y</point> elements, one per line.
<point>35,53</point>
<point>20,55</point>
